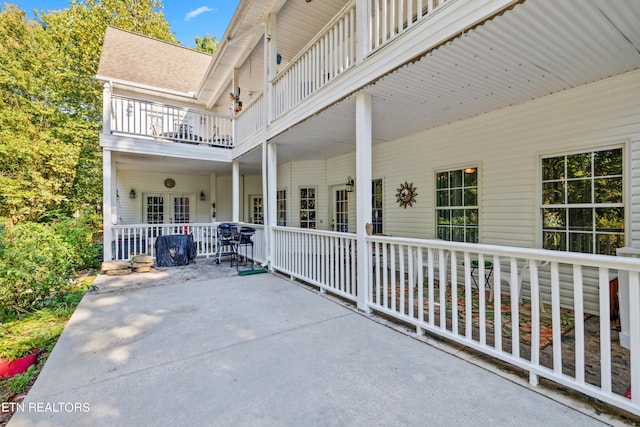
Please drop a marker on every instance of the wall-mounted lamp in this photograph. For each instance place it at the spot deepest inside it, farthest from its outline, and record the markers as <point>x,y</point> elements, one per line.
<point>350,183</point>
<point>132,194</point>
<point>202,196</point>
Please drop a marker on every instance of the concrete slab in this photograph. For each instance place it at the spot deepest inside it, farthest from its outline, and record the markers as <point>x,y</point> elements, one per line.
<point>260,351</point>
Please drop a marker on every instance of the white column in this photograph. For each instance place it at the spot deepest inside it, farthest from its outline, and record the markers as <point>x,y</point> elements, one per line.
<point>235,191</point>
<point>363,192</point>
<point>272,169</point>
<point>109,213</point>
<point>106,109</point>
<point>363,39</point>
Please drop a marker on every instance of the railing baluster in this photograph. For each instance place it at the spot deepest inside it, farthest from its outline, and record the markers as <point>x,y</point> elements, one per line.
<point>605,332</point>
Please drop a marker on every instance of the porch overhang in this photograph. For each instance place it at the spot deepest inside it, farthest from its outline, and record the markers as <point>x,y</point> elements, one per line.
<point>535,49</point>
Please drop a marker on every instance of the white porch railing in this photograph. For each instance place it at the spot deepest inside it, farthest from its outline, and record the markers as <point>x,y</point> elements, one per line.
<point>251,119</point>
<point>405,277</point>
<point>131,239</point>
<point>322,258</point>
<point>390,18</point>
<point>131,116</point>
<point>329,54</point>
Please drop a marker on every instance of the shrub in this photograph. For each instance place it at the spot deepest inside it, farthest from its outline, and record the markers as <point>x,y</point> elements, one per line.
<point>37,261</point>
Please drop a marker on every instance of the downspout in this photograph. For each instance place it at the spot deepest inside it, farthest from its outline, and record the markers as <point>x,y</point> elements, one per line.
<point>265,185</point>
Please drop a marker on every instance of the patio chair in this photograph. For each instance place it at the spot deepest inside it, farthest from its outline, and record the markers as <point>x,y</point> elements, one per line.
<point>224,245</point>
<point>242,238</point>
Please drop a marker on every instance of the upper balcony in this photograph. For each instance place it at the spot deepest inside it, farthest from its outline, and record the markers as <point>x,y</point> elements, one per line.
<point>168,123</point>
<point>363,42</point>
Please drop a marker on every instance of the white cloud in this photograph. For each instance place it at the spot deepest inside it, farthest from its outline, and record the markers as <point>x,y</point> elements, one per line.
<point>197,12</point>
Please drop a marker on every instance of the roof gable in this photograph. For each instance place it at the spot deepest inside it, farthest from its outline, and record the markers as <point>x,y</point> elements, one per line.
<point>140,59</point>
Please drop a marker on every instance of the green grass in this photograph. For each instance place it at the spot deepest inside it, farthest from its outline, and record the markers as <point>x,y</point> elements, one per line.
<point>37,329</point>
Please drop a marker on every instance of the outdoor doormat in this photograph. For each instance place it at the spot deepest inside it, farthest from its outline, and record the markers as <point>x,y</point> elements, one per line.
<point>252,271</point>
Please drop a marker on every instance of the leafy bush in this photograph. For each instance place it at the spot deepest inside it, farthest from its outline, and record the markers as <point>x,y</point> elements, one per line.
<point>37,261</point>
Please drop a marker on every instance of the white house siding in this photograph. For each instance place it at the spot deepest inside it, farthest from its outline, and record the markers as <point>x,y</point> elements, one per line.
<point>284,182</point>
<point>507,145</point>
<point>338,171</point>
<point>130,210</point>
<point>249,185</point>
<point>303,174</point>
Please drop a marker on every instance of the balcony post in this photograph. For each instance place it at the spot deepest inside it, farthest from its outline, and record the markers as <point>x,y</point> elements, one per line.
<point>235,191</point>
<point>109,214</point>
<point>363,194</point>
<point>272,173</point>
<point>106,108</point>
<point>363,38</point>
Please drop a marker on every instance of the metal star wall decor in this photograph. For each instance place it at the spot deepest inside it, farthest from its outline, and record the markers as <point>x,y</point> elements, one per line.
<point>406,194</point>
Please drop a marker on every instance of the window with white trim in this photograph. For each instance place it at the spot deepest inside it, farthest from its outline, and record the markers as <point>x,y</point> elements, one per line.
<point>281,207</point>
<point>457,205</point>
<point>308,207</point>
<point>583,202</point>
<point>376,206</point>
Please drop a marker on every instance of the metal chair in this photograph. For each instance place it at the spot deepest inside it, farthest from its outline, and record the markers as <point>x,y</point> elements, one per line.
<point>225,245</point>
<point>242,238</point>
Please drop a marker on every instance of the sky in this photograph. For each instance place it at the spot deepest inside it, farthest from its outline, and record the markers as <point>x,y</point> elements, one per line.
<point>187,18</point>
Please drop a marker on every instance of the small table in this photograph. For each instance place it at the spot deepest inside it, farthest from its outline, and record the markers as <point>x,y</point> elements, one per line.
<point>488,271</point>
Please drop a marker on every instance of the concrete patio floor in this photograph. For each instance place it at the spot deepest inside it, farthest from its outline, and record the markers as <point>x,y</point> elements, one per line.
<point>199,345</point>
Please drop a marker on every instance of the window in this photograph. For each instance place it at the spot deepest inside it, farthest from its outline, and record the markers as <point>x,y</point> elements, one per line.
<point>281,207</point>
<point>376,205</point>
<point>582,202</point>
<point>457,205</point>
<point>308,207</point>
<point>256,210</point>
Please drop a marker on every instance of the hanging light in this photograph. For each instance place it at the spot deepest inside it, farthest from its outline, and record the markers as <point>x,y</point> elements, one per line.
<point>350,183</point>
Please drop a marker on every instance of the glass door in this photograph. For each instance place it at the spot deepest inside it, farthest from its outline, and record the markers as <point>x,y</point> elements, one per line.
<point>341,210</point>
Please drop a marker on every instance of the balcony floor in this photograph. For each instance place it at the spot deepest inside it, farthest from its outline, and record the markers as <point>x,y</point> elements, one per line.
<point>199,345</point>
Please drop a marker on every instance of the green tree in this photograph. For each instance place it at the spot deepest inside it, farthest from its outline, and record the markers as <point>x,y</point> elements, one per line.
<point>207,44</point>
<point>51,103</point>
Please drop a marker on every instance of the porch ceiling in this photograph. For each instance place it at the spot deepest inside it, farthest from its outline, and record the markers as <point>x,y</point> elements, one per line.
<point>537,48</point>
<point>145,163</point>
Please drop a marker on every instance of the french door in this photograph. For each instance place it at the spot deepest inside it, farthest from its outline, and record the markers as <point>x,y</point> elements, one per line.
<point>340,210</point>
<point>167,208</point>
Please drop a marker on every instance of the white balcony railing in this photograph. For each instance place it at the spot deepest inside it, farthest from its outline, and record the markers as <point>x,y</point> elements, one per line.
<point>434,285</point>
<point>329,54</point>
<point>251,119</point>
<point>136,117</point>
<point>390,18</point>
<point>325,259</point>
<point>133,239</point>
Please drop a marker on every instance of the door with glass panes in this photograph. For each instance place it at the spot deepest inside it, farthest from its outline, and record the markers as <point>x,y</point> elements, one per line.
<point>167,208</point>
<point>340,210</point>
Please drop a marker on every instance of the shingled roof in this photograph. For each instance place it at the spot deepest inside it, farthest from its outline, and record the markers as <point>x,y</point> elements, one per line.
<point>140,59</point>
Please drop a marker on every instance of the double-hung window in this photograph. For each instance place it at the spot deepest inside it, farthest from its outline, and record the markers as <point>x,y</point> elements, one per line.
<point>582,202</point>
<point>281,207</point>
<point>457,205</point>
<point>308,207</point>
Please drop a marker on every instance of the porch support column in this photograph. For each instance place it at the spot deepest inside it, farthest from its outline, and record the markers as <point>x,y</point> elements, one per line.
<point>235,191</point>
<point>272,188</point>
<point>109,205</point>
<point>363,193</point>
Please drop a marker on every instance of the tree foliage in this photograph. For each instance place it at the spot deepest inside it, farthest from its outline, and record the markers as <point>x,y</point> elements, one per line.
<point>207,44</point>
<point>50,102</point>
